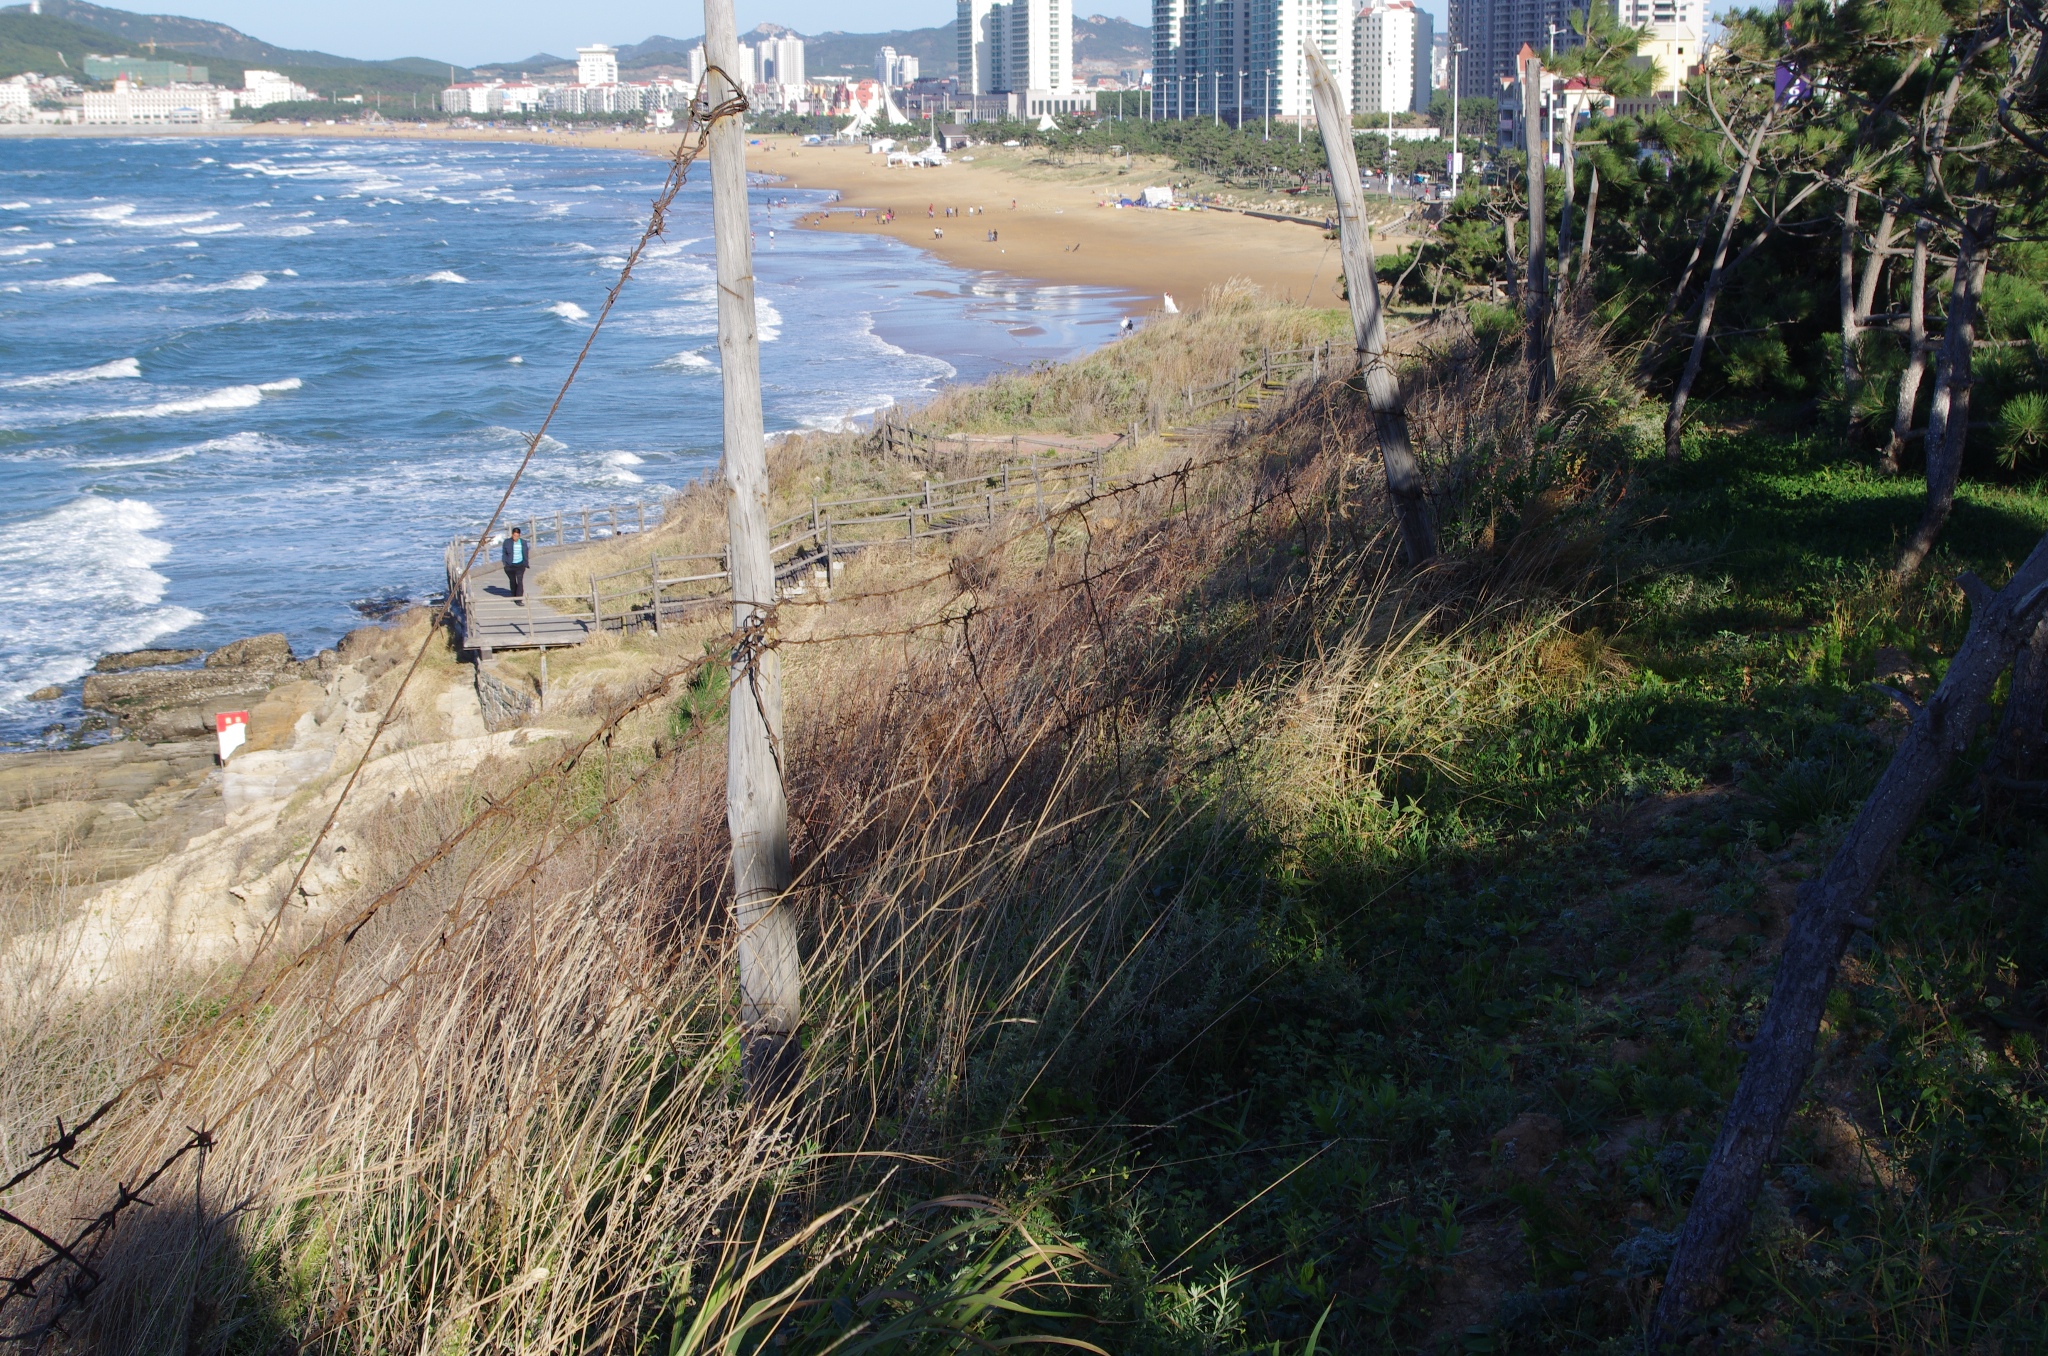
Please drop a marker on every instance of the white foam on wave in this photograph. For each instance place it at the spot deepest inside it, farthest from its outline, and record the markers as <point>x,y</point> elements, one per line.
<point>767,320</point>
<point>623,459</point>
<point>81,581</point>
<point>568,310</point>
<point>209,402</point>
<point>119,368</point>
<point>445,275</point>
<point>16,251</point>
<point>235,444</point>
<point>114,213</point>
<point>247,282</point>
<point>293,231</point>
<point>78,280</point>
<point>121,463</point>
<point>218,228</point>
<point>13,207</point>
<point>166,219</point>
<point>185,245</point>
<point>688,361</point>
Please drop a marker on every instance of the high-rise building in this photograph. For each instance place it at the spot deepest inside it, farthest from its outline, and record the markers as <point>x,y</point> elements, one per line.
<point>1204,52</point>
<point>1493,31</point>
<point>907,69</point>
<point>780,60</point>
<point>1390,59</point>
<point>885,65</point>
<point>1023,48</point>
<point>597,65</point>
<point>743,77</point>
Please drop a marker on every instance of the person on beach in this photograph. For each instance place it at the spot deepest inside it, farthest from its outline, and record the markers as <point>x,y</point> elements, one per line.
<point>515,564</point>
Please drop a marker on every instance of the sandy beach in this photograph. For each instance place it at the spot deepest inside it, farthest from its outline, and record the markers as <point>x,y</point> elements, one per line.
<point>1060,229</point>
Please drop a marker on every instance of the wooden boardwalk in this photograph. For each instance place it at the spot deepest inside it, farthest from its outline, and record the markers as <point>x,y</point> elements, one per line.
<point>492,619</point>
<point>808,547</point>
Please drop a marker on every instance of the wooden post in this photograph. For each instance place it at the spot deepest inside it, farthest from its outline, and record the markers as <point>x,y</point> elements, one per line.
<point>640,516</point>
<point>1536,290</point>
<point>829,581</point>
<point>1382,387</point>
<point>771,993</point>
<point>586,525</point>
<point>654,570</point>
<point>596,607</point>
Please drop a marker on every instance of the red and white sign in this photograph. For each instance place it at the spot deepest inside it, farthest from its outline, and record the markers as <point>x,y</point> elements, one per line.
<point>233,728</point>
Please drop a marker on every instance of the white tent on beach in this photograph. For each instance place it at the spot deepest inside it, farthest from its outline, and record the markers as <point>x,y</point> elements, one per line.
<point>873,106</point>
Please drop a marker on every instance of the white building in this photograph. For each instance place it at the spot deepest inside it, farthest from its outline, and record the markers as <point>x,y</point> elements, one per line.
<point>15,94</point>
<point>1020,47</point>
<point>885,65</point>
<point>907,69</point>
<point>597,65</point>
<point>1391,59</point>
<point>260,89</point>
<point>743,77</point>
<point>781,61</point>
<point>470,96</point>
<point>128,104</point>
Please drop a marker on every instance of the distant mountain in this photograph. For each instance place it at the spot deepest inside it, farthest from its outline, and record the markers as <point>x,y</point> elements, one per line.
<point>72,27</point>
<point>1106,45</point>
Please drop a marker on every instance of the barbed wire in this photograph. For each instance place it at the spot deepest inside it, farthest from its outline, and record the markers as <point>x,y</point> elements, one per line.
<point>81,1252</point>
<point>68,1140</point>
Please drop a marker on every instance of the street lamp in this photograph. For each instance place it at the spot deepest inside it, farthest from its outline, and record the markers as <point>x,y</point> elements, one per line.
<point>1216,97</point>
<point>1269,103</point>
<point>1237,119</point>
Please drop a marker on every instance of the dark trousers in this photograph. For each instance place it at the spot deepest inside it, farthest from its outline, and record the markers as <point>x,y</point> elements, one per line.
<point>516,576</point>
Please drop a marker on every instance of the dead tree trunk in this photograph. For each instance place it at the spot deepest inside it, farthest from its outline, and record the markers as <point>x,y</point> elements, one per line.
<point>1916,354</point>
<point>1512,267</point>
<point>1948,413</point>
<point>1831,907</point>
<point>1592,213</point>
<point>1852,325</point>
<point>1674,419</point>
<point>1536,288</point>
<point>1382,387</point>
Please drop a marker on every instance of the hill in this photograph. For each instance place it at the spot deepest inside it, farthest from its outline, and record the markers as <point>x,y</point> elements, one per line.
<point>56,40</point>
<point>1106,45</point>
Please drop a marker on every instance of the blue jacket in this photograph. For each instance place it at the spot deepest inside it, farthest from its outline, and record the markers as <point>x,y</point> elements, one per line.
<point>515,550</point>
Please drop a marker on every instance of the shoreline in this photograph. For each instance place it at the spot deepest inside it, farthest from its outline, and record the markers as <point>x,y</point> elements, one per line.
<point>1060,232</point>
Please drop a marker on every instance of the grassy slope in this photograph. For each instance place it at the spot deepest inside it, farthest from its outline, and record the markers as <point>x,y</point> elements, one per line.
<point>1573,920</point>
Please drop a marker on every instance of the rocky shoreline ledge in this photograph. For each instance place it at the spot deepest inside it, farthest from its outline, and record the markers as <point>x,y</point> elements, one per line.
<point>100,812</point>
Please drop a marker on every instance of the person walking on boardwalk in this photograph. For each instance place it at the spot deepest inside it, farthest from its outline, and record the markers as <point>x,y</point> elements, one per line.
<point>515,564</point>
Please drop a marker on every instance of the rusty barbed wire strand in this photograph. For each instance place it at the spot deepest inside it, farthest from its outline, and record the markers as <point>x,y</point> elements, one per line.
<point>464,915</point>
<point>67,1139</point>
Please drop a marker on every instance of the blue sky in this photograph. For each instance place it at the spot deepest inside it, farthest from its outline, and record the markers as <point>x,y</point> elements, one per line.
<point>475,31</point>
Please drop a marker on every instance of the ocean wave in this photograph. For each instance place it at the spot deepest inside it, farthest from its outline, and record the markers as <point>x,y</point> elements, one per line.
<point>246,282</point>
<point>623,459</point>
<point>167,219</point>
<point>688,361</point>
<point>767,320</point>
<point>13,207</point>
<point>78,280</point>
<point>292,231</point>
<point>121,463</point>
<point>114,213</point>
<point>210,402</point>
<point>568,310</point>
<point>446,275</point>
<point>81,581</point>
<point>218,228</point>
<point>120,367</point>
<point>16,251</point>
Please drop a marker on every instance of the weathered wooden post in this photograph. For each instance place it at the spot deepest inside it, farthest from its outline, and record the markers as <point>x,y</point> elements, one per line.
<point>654,572</point>
<point>1382,387</point>
<point>771,993</point>
<point>1536,290</point>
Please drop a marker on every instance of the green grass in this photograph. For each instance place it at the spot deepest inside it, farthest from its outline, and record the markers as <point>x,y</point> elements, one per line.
<point>1573,916</point>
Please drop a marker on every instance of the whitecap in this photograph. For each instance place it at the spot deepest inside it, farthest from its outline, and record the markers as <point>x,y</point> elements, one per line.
<point>186,245</point>
<point>168,219</point>
<point>445,275</point>
<point>515,359</point>
<point>688,361</point>
<point>623,459</point>
<point>81,582</point>
<point>114,213</point>
<point>79,280</point>
<point>209,402</point>
<point>120,463</point>
<point>293,231</point>
<point>13,207</point>
<point>287,273</point>
<point>767,320</point>
<point>568,310</point>
<point>247,282</point>
<point>16,251</point>
<point>120,367</point>
<point>218,228</point>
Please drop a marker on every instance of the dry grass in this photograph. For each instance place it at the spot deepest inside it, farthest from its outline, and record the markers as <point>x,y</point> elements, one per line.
<point>504,1116</point>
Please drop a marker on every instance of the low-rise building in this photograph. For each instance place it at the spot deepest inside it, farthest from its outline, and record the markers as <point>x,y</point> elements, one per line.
<point>129,104</point>
<point>260,89</point>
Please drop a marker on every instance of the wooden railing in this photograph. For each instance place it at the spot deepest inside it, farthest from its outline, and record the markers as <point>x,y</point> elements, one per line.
<point>813,542</point>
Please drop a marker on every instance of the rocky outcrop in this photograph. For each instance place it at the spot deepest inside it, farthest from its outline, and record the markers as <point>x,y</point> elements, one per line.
<point>505,701</point>
<point>269,650</point>
<point>156,704</point>
<point>143,659</point>
<point>100,813</point>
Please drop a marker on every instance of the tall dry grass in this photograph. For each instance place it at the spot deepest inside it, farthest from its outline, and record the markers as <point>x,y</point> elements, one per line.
<point>504,1115</point>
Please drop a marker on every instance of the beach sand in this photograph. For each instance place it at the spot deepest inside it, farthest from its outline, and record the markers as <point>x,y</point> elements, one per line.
<point>1058,232</point>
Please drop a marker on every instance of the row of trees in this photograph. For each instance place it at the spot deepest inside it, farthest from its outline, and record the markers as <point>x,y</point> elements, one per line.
<point>1859,187</point>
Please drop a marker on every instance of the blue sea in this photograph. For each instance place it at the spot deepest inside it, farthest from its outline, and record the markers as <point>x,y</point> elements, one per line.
<point>254,385</point>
